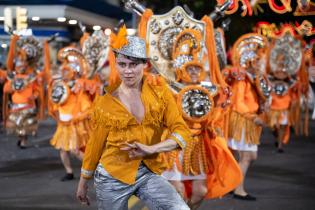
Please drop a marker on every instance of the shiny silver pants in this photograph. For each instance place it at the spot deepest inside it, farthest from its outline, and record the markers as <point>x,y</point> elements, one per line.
<point>152,189</point>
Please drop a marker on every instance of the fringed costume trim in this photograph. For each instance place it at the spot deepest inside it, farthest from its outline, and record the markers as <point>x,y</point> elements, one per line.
<point>238,122</point>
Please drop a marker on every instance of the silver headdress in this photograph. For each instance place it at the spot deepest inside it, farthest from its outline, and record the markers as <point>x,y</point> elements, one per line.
<point>286,55</point>
<point>136,48</point>
<point>32,48</point>
<point>95,49</point>
<point>162,32</point>
<point>74,59</point>
<point>247,47</point>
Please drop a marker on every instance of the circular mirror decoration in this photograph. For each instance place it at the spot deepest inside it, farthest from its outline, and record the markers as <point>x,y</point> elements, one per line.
<point>280,88</point>
<point>195,103</point>
<point>59,92</point>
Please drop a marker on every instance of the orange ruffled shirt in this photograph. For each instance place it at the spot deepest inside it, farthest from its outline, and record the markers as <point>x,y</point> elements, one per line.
<point>76,105</point>
<point>280,102</point>
<point>24,96</point>
<point>246,100</point>
<point>113,125</point>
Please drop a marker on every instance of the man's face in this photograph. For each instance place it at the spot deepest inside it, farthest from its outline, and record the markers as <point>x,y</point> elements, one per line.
<point>194,73</point>
<point>282,74</point>
<point>20,64</point>
<point>251,65</point>
<point>130,71</point>
<point>67,73</point>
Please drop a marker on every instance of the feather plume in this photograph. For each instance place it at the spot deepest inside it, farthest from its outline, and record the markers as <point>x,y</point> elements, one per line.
<point>121,38</point>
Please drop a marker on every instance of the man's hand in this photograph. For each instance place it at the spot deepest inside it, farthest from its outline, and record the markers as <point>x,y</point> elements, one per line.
<point>138,150</point>
<point>259,121</point>
<point>82,192</point>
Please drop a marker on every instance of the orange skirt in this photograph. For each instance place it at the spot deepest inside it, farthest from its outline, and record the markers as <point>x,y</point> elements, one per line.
<point>278,117</point>
<point>71,136</point>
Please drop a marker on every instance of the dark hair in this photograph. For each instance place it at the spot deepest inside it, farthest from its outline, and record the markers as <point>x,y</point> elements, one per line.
<point>137,60</point>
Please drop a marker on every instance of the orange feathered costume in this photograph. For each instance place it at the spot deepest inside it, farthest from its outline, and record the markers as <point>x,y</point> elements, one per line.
<point>24,83</point>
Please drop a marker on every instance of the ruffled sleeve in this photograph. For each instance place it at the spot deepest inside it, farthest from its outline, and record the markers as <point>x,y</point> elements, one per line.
<point>97,140</point>
<point>173,120</point>
<point>239,98</point>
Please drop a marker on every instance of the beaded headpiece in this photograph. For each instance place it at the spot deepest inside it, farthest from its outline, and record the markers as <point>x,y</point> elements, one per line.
<point>249,47</point>
<point>95,49</point>
<point>73,60</point>
<point>32,49</point>
<point>285,54</point>
<point>132,46</point>
<point>186,51</point>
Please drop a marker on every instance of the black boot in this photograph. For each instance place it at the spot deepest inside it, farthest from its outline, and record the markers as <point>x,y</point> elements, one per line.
<point>67,177</point>
<point>20,145</point>
<point>280,150</point>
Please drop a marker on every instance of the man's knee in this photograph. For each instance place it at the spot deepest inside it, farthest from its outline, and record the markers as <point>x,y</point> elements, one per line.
<point>200,192</point>
<point>179,186</point>
<point>248,157</point>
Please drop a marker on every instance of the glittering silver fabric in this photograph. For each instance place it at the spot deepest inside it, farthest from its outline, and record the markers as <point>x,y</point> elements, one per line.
<point>154,190</point>
<point>162,32</point>
<point>196,103</point>
<point>247,48</point>
<point>59,92</point>
<point>95,50</point>
<point>286,55</point>
<point>136,48</point>
<point>220,48</point>
<point>32,47</point>
<point>180,138</point>
<point>22,121</point>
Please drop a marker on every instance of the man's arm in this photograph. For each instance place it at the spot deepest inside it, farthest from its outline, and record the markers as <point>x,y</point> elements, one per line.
<point>136,150</point>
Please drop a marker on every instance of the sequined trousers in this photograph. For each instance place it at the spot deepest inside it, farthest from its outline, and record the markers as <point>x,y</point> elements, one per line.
<point>154,190</point>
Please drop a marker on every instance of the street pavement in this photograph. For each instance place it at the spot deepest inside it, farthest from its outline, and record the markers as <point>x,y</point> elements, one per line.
<point>30,178</point>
